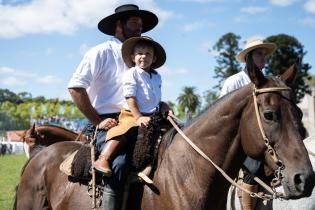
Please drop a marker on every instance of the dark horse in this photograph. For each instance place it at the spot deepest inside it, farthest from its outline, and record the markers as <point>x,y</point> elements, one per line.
<point>183,179</point>
<point>41,136</point>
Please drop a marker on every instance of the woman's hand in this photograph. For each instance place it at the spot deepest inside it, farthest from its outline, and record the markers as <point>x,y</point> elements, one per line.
<point>107,123</point>
<point>143,121</point>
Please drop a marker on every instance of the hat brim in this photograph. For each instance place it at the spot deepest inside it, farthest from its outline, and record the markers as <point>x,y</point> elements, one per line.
<point>107,24</point>
<point>128,46</point>
<point>270,47</point>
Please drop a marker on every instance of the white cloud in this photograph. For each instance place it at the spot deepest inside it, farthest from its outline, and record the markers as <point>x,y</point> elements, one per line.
<point>308,21</point>
<point>49,51</point>
<point>166,71</point>
<point>12,81</point>
<point>241,19</point>
<point>192,26</point>
<point>16,77</point>
<point>13,72</point>
<point>6,70</point>
<point>197,25</point>
<point>84,48</point>
<point>204,1</point>
<point>48,79</point>
<point>168,75</point>
<point>254,10</point>
<point>61,16</point>
<point>282,3</point>
<point>309,6</point>
<point>208,47</point>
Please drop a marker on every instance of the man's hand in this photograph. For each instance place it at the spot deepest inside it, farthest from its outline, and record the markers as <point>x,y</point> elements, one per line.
<point>143,121</point>
<point>107,123</point>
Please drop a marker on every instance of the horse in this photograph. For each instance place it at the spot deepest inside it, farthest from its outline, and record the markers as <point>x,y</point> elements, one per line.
<point>45,135</point>
<point>259,120</point>
<point>307,203</point>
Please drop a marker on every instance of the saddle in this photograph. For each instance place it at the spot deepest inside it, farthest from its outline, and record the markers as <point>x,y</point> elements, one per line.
<point>143,150</point>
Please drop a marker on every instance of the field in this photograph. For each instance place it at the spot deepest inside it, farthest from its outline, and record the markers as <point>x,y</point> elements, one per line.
<point>10,169</point>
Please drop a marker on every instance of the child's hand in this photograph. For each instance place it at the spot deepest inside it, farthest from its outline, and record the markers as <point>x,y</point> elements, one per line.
<point>165,109</point>
<point>143,121</point>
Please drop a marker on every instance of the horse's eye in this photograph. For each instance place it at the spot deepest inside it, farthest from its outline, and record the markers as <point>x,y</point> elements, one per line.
<point>269,115</point>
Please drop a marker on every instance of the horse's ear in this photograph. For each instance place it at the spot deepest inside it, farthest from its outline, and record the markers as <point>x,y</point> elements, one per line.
<point>288,77</point>
<point>256,76</point>
<point>33,129</point>
<point>254,73</point>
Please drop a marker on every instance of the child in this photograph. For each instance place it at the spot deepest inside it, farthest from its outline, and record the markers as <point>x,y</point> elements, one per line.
<point>142,90</point>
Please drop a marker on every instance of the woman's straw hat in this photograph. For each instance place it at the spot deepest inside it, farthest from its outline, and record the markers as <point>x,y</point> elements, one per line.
<point>128,47</point>
<point>270,47</point>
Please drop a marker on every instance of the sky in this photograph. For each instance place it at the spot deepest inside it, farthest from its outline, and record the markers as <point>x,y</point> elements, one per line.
<point>43,41</point>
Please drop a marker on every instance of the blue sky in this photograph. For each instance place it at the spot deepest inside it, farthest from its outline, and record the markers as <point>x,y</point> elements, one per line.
<point>43,41</point>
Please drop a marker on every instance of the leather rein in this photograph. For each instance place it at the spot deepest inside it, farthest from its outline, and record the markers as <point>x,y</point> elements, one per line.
<point>278,173</point>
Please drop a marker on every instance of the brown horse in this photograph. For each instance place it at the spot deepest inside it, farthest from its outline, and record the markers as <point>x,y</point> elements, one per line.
<point>45,135</point>
<point>183,179</point>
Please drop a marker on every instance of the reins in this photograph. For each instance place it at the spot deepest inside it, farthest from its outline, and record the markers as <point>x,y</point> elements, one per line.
<point>278,172</point>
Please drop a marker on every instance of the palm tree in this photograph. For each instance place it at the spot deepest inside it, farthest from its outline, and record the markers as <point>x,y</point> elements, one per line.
<point>189,101</point>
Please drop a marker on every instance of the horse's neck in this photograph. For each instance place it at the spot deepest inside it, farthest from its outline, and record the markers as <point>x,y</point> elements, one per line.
<point>216,133</point>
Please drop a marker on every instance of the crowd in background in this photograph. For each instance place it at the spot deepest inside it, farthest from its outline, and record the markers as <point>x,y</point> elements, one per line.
<point>75,125</point>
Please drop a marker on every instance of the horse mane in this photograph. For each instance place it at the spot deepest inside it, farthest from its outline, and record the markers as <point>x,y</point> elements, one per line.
<point>208,109</point>
<point>222,99</point>
<point>55,126</point>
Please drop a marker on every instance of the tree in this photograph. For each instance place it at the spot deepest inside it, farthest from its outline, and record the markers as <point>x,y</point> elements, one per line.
<point>288,52</point>
<point>7,95</point>
<point>189,101</point>
<point>312,81</point>
<point>210,97</point>
<point>227,46</point>
<point>25,96</point>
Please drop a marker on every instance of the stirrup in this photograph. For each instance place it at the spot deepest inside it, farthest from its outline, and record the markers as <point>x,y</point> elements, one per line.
<point>145,178</point>
<point>106,172</point>
<point>144,174</point>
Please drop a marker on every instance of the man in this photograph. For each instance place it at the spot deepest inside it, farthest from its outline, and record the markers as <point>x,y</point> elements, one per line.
<point>96,88</point>
<point>254,54</point>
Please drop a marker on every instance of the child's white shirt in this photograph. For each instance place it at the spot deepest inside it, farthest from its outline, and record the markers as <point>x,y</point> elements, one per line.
<point>144,87</point>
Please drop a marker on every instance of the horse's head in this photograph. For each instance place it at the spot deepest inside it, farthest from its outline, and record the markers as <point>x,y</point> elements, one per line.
<point>30,138</point>
<point>272,131</point>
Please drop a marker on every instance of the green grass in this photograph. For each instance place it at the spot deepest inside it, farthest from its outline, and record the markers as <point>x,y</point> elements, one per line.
<point>10,170</point>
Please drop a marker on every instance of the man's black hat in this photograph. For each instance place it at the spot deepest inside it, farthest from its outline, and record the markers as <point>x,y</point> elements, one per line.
<point>107,25</point>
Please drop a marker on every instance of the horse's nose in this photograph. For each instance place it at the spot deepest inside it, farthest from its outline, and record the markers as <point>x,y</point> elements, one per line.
<point>304,182</point>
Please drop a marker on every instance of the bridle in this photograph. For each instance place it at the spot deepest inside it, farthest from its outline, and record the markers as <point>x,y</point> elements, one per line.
<point>280,166</point>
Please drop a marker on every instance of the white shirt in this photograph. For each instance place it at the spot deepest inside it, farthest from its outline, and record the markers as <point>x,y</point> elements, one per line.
<point>100,73</point>
<point>234,82</point>
<point>144,87</point>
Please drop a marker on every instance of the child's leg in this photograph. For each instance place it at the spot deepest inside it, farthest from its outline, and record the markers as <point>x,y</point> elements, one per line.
<point>111,147</point>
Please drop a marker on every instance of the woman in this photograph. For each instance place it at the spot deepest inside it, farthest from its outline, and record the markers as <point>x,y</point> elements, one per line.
<point>254,55</point>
